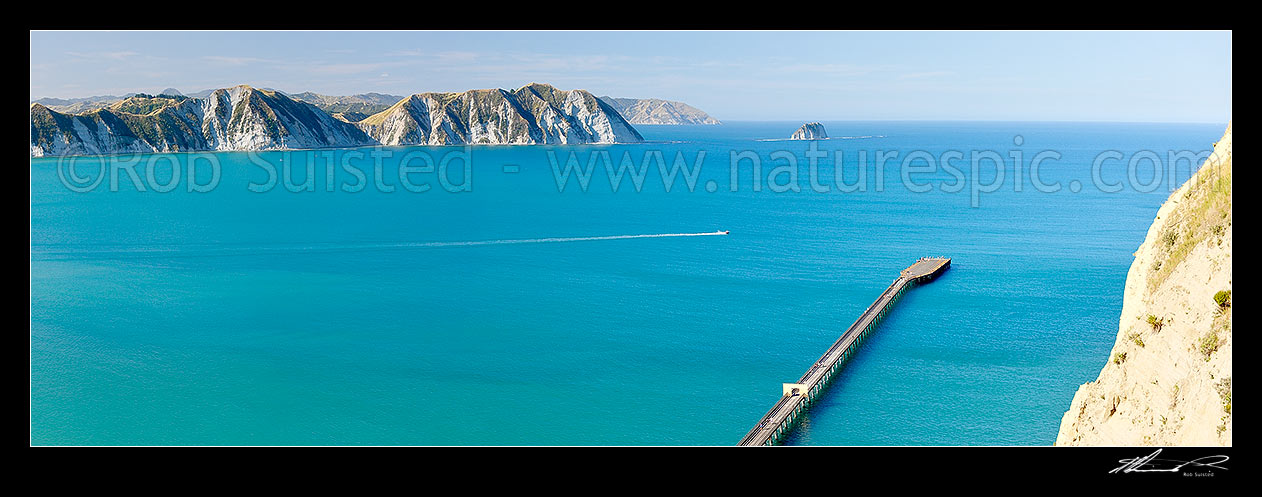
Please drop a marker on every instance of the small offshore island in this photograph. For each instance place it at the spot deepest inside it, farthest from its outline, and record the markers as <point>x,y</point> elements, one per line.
<point>810,131</point>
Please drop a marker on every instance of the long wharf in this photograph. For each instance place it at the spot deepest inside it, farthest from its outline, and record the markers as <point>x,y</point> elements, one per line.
<point>797,397</point>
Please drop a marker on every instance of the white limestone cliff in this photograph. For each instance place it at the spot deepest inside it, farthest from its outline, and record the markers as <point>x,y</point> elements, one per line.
<point>1167,380</point>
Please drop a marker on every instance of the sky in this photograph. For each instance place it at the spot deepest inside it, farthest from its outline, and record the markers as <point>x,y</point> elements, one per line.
<point>1134,76</point>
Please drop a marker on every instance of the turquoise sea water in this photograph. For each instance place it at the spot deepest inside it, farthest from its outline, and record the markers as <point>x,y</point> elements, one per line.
<point>318,317</point>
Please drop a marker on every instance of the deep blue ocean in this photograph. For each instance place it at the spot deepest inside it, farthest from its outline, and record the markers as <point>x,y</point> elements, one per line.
<point>476,312</point>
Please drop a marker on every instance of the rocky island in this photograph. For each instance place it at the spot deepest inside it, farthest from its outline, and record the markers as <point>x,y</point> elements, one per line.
<point>810,131</point>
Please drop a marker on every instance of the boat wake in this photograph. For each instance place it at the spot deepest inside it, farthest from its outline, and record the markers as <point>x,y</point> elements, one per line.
<point>61,252</point>
<point>557,240</point>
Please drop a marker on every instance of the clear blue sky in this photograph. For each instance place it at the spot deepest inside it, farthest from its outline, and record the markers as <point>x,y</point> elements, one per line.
<point>1181,76</point>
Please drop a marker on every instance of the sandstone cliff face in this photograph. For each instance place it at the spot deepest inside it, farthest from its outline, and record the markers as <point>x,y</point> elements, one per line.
<point>245,118</point>
<point>533,114</point>
<point>137,124</point>
<point>1167,380</point>
<point>237,118</point>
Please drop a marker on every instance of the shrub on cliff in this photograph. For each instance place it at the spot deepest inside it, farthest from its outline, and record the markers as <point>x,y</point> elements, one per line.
<point>1223,299</point>
<point>1209,345</point>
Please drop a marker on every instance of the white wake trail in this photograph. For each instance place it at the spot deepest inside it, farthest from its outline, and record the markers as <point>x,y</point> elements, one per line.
<point>554,240</point>
<point>213,251</point>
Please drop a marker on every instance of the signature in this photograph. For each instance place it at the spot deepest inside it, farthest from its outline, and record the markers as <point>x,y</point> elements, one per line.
<point>1150,464</point>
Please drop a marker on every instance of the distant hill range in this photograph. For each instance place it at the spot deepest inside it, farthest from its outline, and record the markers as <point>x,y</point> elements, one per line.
<point>247,118</point>
<point>77,105</point>
<point>364,105</point>
<point>656,111</point>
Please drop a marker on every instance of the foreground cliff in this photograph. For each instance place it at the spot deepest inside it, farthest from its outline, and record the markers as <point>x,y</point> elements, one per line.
<point>246,118</point>
<point>1167,380</point>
